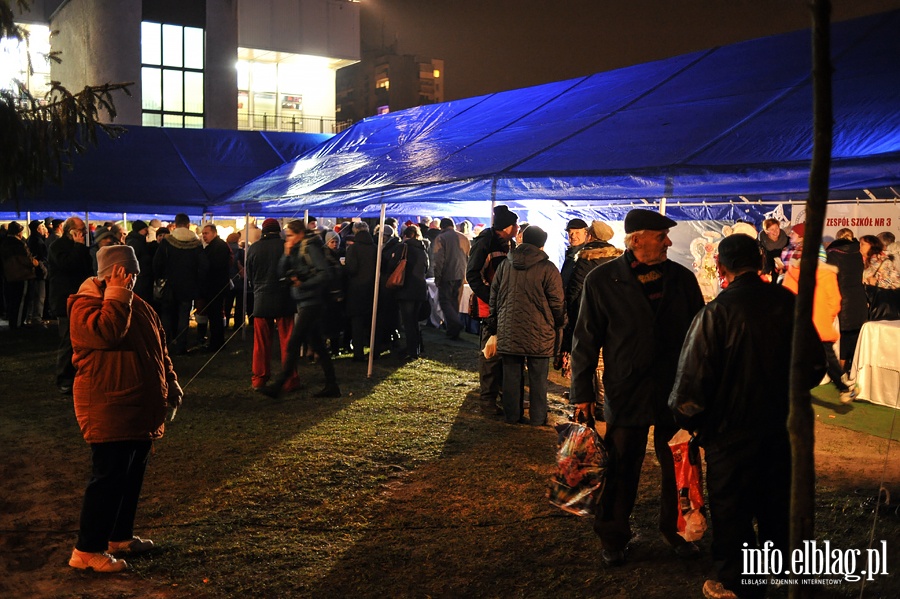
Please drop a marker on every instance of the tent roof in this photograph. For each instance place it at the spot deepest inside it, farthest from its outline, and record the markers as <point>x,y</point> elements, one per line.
<point>712,126</point>
<point>165,171</point>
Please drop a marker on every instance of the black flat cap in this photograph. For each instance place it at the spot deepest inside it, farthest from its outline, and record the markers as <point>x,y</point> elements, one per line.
<point>647,220</point>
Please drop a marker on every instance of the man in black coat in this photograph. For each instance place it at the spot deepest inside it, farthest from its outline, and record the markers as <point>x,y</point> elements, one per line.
<point>272,304</point>
<point>577,232</point>
<point>489,249</point>
<point>215,286</point>
<point>732,390</point>
<point>181,262</point>
<point>637,308</point>
<point>360,267</point>
<point>69,262</point>
<point>137,239</point>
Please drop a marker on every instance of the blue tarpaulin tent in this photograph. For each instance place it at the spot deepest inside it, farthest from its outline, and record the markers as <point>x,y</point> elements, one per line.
<point>152,170</point>
<point>706,127</point>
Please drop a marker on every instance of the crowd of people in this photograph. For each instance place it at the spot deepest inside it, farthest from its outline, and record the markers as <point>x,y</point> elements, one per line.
<point>628,326</point>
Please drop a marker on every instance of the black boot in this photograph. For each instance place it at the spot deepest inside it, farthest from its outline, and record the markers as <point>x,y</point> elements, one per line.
<point>330,390</point>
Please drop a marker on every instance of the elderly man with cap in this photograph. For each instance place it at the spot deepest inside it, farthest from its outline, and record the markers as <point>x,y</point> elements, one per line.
<point>489,249</point>
<point>577,232</point>
<point>637,308</point>
<point>450,251</point>
<point>137,239</point>
<point>124,385</point>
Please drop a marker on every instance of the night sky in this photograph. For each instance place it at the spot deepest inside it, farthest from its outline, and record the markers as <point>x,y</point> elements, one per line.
<point>495,45</point>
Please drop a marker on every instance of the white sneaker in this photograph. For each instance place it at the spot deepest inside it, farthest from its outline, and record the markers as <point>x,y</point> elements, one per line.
<point>848,396</point>
<point>98,562</point>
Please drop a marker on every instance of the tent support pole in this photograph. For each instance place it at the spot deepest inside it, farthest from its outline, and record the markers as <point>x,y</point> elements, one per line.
<point>801,419</point>
<point>493,198</point>
<point>246,290</point>
<point>306,218</point>
<point>125,220</point>
<point>662,206</point>
<point>87,228</point>
<point>375,296</point>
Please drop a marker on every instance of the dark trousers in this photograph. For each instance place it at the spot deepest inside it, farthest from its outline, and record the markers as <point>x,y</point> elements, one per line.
<point>849,339</point>
<point>176,319</point>
<point>747,478</point>
<point>490,371</point>
<point>627,446</point>
<point>448,298</point>
<point>214,310</point>
<point>833,366</point>
<point>111,496</point>
<point>65,371</point>
<point>409,311</point>
<point>514,386</point>
<point>14,292</point>
<point>307,329</point>
<point>362,330</point>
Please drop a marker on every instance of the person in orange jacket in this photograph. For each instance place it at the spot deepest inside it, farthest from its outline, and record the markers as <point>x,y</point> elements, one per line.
<point>826,306</point>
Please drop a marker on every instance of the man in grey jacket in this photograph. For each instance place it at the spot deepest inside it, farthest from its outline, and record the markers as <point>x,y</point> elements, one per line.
<point>451,255</point>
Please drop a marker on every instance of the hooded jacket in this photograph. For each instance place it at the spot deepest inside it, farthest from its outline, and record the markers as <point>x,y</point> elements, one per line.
<point>826,300</point>
<point>124,378</point>
<point>180,260</point>
<point>527,304</point>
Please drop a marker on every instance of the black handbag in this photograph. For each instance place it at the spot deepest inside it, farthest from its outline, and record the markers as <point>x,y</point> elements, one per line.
<point>884,304</point>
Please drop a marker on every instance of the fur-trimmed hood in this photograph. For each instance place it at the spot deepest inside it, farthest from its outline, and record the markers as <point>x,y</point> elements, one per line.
<point>182,238</point>
<point>596,250</point>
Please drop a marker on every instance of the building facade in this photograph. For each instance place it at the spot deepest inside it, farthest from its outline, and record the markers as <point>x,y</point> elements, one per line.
<point>227,64</point>
<point>384,82</point>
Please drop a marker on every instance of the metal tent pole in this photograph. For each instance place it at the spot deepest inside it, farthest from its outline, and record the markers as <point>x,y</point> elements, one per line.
<point>246,290</point>
<point>375,301</point>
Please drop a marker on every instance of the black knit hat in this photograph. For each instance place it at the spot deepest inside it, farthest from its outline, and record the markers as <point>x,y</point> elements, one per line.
<point>503,217</point>
<point>534,235</point>
<point>447,222</point>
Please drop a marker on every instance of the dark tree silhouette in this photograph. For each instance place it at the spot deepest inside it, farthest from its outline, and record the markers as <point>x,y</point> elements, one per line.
<point>39,137</point>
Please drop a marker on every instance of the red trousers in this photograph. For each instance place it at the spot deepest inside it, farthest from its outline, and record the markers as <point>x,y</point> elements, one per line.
<point>262,348</point>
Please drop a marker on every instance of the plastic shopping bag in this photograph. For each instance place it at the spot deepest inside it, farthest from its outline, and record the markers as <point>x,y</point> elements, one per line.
<point>580,469</point>
<point>688,478</point>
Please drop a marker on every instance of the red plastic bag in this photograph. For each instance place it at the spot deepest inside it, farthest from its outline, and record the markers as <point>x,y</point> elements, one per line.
<point>580,469</point>
<point>688,478</point>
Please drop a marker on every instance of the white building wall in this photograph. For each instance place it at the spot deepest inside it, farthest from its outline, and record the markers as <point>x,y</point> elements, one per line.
<point>316,27</point>
<point>100,41</point>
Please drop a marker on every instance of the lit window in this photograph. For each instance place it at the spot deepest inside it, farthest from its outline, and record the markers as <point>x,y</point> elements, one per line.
<point>173,45</point>
<point>383,83</point>
<point>151,39</point>
<point>172,96</point>
<point>437,73</point>
<point>193,48</point>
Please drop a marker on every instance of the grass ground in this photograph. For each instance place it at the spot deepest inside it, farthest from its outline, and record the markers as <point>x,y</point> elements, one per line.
<point>403,487</point>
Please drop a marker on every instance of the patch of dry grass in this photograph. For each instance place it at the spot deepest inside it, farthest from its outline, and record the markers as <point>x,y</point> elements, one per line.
<point>403,487</point>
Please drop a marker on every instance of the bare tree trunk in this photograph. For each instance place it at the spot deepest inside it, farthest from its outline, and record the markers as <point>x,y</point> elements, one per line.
<point>801,419</point>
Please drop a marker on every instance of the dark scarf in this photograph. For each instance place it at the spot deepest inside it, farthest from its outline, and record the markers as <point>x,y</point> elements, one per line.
<point>771,246</point>
<point>650,276</point>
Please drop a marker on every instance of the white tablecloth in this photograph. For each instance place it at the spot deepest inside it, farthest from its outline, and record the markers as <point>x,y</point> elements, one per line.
<point>876,363</point>
<point>437,315</point>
